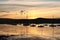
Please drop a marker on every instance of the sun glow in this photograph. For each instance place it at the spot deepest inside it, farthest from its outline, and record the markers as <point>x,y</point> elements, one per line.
<point>44,13</point>
<point>33,14</point>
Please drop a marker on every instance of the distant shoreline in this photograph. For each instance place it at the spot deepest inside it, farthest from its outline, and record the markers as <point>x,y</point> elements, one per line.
<point>29,21</point>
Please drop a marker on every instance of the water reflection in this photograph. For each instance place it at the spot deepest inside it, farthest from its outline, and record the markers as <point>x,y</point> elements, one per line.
<point>33,32</point>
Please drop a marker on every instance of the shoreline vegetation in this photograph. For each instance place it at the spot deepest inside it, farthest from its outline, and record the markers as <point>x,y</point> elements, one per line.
<point>29,21</point>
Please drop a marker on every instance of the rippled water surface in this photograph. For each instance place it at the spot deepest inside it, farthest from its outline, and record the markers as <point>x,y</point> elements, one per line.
<point>20,32</point>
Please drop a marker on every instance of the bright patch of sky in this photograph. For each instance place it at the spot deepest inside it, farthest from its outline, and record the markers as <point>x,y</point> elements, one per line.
<point>46,7</point>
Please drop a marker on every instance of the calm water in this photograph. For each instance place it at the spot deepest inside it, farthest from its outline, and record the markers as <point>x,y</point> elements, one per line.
<point>30,32</point>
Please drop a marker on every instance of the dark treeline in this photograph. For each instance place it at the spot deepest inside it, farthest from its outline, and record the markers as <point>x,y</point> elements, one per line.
<point>28,21</point>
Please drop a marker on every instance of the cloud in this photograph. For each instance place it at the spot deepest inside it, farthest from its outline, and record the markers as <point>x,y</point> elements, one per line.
<point>33,2</point>
<point>37,0</point>
<point>3,0</point>
<point>29,0</point>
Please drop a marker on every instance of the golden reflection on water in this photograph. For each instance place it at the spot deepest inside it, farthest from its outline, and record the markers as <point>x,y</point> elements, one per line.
<point>29,31</point>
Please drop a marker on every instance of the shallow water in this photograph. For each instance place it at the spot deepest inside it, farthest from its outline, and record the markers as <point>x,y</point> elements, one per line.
<point>28,32</point>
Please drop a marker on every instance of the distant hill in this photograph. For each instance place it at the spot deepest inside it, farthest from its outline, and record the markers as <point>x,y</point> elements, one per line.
<point>29,21</point>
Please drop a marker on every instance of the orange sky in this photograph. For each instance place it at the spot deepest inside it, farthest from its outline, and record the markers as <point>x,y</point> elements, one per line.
<point>41,12</point>
<point>44,12</point>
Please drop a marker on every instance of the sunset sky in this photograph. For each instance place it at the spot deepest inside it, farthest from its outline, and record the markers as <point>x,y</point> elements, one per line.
<point>37,8</point>
<point>32,9</point>
<point>31,2</point>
